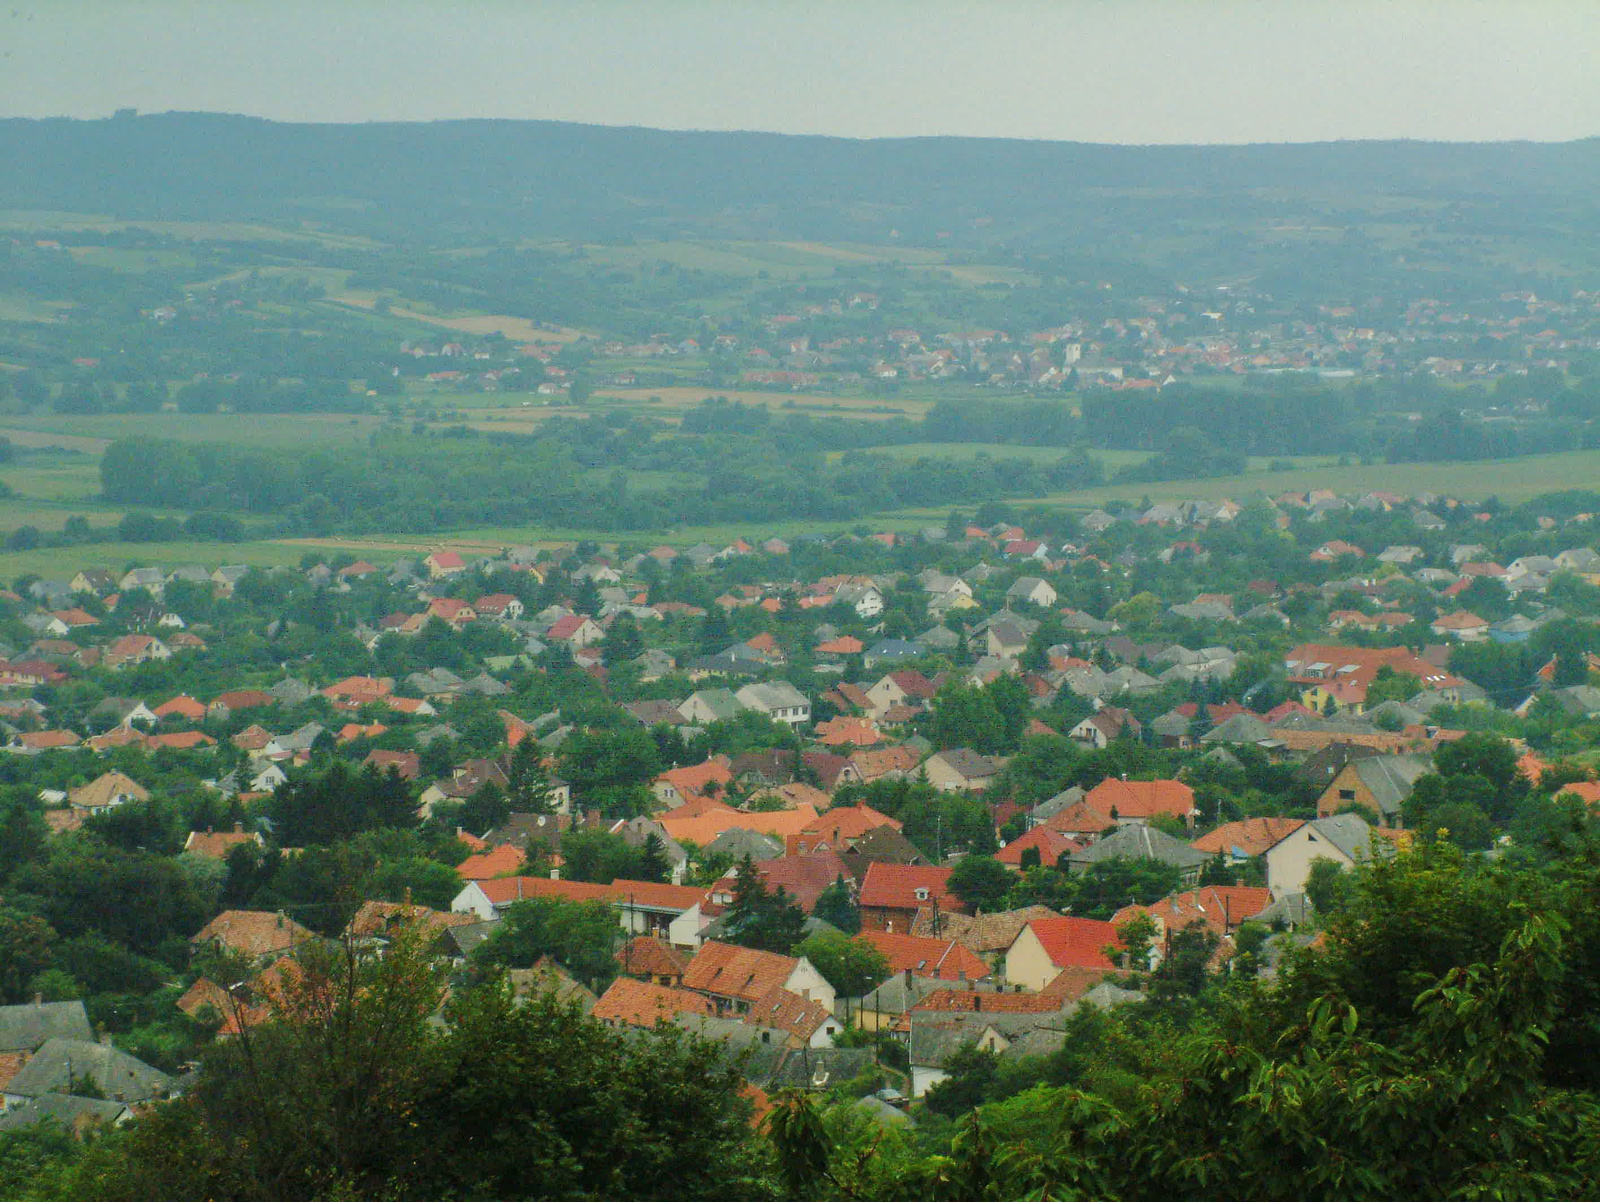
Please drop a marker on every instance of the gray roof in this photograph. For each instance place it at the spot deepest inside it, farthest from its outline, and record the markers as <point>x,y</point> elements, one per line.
<point>1399,710</point>
<point>30,1025</point>
<point>290,691</point>
<point>739,842</point>
<point>636,832</point>
<point>302,739</point>
<point>879,1111</point>
<point>435,680</point>
<point>772,695</point>
<point>1052,806</point>
<point>1241,728</point>
<point>1580,700</point>
<point>119,1076</point>
<point>1076,619</point>
<point>969,763</point>
<point>900,992</point>
<point>66,1109</point>
<point>1139,842</point>
<point>1290,910</point>
<point>721,702</point>
<point>893,649</point>
<point>485,685</point>
<point>1351,834</point>
<point>1391,778</point>
<point>939,638</point>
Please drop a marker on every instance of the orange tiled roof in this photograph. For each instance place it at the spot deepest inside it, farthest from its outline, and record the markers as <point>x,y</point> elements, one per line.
<point>840,731</point>
<point>1252,836</point>
<point>781,1010</point>
<point>706,827</point>
<point>724,970</point>
<point>253,932</point>
<point>504,860</point>
<point>641,1004</point>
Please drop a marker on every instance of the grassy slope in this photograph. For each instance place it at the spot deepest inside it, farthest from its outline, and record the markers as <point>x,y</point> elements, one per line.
<point>1509,479</point>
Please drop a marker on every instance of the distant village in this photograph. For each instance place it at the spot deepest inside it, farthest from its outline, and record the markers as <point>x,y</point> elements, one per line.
<point>979,753</point>
<point>1157,341</point>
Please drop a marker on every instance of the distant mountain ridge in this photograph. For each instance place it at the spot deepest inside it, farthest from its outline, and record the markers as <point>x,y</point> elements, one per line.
<point>597,181</point>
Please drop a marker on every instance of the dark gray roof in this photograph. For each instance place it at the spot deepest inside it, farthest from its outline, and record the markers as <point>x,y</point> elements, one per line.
<point>469,936</point>
<point>1351,834</point>
<point>66,1109</point>
<point>1138,842</point>
<point>1390,778</point>
<point>969,763</point>
<point>29,1026</point>
<point>119,1076</point>
<point>486,685</point>
<point>739,842</point>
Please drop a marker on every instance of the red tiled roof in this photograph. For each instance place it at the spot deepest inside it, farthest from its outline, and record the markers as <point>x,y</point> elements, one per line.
<point>1222,908</point>
<point>565,628</point>
<point>647,956</point>
<point>840,731</point>
<point>656,895</point>
<point>505,890</point>
<point>914,684</point>
<point>875,762</point>
<point>843,824</point>
<point>405,763</point>
<point>182,705</point>
<point>1075,942</point>
<point>804,877</point>
<point>843,645</point>
<point>1051,844</point>
<point>896,887</point>
<point>1079,818</point>
<point>1141,798</point>
<point>217,844</point>
<point>940,959</point>
<point>240,699</point>
<point>709,779</point>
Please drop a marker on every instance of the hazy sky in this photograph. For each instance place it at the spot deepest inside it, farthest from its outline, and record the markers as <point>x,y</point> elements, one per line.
<point>1089,70</point>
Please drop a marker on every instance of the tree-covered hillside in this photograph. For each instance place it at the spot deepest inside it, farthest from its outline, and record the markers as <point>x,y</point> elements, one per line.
<point>594,181</point>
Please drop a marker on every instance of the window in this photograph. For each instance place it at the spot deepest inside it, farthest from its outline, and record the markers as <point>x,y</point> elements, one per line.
<point>1347,794</point>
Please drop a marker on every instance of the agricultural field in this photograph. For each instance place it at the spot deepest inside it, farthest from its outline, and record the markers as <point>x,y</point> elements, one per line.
<point>64,561</point>
<point>518,329</point>
<point>245,429</point>
<point>1511,480</point>
<point>198,231</point>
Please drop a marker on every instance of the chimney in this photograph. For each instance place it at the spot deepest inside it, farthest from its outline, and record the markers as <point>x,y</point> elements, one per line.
<point>38,999</point>
<point>238,828</point>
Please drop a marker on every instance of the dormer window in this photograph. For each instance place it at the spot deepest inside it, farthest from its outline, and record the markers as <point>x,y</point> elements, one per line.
<point>922,895</point>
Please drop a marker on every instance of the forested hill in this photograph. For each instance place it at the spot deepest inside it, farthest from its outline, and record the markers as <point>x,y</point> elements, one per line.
<point>595,181</point>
